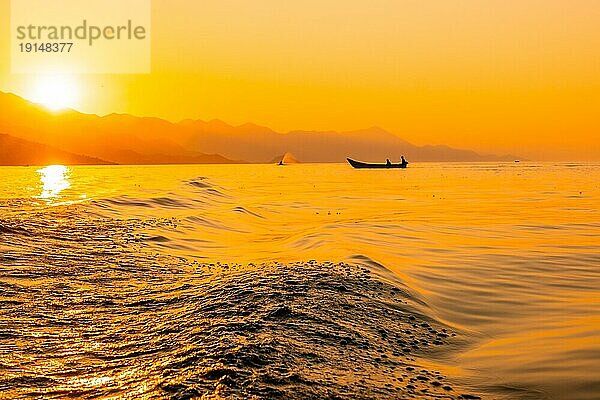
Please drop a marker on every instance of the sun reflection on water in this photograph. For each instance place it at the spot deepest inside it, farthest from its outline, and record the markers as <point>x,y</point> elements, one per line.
<point>55,179</point>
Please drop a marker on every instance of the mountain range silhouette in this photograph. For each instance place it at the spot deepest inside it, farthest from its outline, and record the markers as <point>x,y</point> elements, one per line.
<point>80,138</point>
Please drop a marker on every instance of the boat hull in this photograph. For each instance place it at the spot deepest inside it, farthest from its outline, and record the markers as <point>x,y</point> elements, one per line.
<point>363,165</point>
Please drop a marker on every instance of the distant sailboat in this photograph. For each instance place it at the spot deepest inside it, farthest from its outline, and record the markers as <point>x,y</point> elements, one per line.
<point>285,159</point>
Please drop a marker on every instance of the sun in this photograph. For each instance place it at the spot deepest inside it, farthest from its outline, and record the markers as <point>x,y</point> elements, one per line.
<point>55,92</point>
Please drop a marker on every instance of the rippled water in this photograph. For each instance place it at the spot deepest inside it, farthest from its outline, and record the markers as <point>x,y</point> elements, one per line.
<point>303,281</point>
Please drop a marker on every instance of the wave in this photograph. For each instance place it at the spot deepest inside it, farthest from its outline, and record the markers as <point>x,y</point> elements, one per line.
<point>12,230</point>
<point>164,326</point>
<point>243,210</point>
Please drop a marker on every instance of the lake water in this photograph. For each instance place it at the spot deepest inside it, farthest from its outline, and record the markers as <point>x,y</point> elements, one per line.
<point>235,281</point>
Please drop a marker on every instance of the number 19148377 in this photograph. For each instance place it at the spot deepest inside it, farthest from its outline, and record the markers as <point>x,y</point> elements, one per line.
<point>45,47</point>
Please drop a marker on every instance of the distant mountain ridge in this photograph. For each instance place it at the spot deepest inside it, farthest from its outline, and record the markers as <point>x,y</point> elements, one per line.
<point>15,151</point>
<point>126,139</point>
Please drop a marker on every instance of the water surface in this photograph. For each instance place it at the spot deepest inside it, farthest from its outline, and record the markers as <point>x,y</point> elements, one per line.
<point>506,257</point>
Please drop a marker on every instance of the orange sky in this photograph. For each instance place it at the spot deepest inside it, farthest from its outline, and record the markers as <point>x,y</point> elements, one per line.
<point>495,76</point>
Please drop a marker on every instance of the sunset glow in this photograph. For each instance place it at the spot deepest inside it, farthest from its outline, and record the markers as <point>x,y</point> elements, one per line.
<point>317,199</point>
<point>55,92</point>
<point>496,76</point>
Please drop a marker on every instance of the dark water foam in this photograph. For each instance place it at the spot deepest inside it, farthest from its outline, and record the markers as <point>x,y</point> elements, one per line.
<point>89,310</point>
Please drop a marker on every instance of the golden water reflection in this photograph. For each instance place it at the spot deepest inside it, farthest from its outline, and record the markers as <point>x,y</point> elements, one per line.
<point>508,252</point>
<point>54,179</point>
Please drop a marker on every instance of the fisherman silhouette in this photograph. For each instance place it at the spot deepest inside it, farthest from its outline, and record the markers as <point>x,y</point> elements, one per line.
<point>403,161</point>
<point>388,162</point>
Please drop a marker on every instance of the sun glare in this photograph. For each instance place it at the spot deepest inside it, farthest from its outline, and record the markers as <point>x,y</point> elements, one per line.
<point>55,179</point>
<point>55,92</point>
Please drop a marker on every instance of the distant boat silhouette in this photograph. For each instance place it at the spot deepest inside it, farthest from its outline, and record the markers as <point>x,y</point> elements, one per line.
<point>360,164</point>
<point>285,159</point>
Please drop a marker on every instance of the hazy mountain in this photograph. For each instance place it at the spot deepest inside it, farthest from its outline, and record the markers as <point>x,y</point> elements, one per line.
<point>122,139</point>
<point>127,139</point>
<point>15,151</point>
